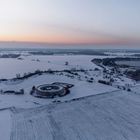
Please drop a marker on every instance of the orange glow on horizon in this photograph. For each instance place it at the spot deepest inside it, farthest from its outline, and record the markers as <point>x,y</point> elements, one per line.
<point>61,39</point>
<point>67,22</point>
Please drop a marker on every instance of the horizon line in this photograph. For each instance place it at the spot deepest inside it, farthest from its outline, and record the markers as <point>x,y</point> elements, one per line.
<point>58,43</point>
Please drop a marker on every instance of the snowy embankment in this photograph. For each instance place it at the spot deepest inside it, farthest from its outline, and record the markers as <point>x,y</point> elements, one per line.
<point>112,116</point>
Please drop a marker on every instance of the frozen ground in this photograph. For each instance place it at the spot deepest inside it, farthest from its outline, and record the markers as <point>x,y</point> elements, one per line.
<point>110,116</point>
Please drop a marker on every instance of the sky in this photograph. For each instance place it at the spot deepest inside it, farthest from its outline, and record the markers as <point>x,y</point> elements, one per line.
<point>70,21</point>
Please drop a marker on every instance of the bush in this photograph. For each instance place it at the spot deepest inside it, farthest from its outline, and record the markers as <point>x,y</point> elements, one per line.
<point>128,89</point>
<point>104,82</point>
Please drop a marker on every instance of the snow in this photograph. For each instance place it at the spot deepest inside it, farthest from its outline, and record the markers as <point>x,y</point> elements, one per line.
<point>91,110</point>
<point>110,116</point>
<point>5,124</point>
<point>136,89</point>
<point>129,63</point>
<point>80,89</point>
<point>121,53</point>
<point>11,67</point>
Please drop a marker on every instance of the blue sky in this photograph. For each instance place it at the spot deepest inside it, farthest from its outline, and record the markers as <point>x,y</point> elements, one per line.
<point>70,21</point>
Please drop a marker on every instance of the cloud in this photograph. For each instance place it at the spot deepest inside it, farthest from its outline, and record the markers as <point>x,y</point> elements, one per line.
<point>91,33</point>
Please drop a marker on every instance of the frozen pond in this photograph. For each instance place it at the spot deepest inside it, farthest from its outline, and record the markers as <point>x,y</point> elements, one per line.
<point>129,63</point>
<point>9,67</point>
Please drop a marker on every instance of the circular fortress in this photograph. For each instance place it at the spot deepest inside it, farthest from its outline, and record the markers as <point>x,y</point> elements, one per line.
<point>52,90</point>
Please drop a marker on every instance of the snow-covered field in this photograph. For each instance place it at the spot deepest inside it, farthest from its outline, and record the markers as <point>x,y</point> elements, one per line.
<point>80,89</point>
<point>12,66</point>
<point>112,116</point>
<point>100,111</point>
